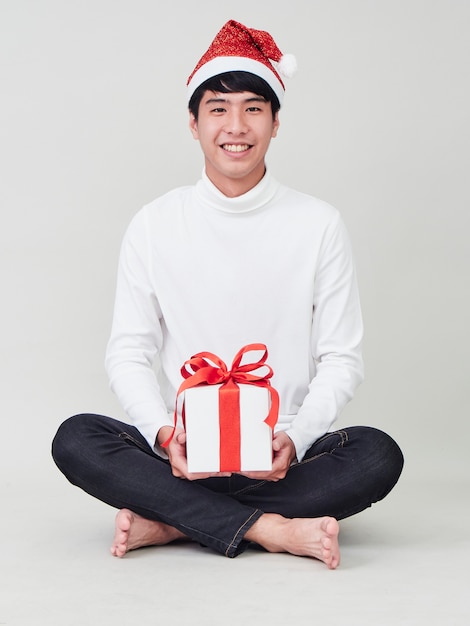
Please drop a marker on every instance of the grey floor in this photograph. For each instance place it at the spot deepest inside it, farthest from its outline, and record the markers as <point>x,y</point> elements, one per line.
<point>405,561</point>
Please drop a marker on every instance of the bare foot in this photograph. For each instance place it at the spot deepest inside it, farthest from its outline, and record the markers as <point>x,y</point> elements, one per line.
<point>133,531</point>
<point>313,537</point>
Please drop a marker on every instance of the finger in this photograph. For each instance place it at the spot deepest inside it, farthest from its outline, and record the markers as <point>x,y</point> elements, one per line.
<point>181,438</point>
<point>202,475</point>
<point>257,475</point>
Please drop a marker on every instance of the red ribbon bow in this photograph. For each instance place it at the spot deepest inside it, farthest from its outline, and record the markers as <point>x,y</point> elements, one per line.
<point>206,368</point>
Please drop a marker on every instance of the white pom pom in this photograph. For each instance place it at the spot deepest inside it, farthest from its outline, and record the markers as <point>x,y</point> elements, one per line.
<point>287,66</point>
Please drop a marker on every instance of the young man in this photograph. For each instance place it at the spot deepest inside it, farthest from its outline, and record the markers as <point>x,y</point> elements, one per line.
<point>235,259</point>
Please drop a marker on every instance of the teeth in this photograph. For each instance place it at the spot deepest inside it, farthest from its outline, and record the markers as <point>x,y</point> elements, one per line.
<point>235,147</point>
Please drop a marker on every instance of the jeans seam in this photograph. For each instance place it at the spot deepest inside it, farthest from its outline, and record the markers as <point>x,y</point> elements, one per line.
<point>238,531</point>
<point>144,447</point>
<point>344,438</point>
<point>249,487</point>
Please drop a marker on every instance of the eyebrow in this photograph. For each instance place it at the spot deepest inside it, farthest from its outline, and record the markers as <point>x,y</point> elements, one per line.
<point>246,101</point>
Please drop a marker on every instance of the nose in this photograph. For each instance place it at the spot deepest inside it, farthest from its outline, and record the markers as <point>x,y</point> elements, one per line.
<point>235,122</point>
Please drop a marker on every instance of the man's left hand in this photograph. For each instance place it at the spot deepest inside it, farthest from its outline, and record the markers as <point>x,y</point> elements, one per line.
<point>283,455</point>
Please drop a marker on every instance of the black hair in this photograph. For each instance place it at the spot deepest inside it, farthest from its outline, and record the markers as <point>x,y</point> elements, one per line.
<point>234,82</point>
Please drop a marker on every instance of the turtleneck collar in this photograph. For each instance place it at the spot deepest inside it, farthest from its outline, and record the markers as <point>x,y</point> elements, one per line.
<point>253,199</point>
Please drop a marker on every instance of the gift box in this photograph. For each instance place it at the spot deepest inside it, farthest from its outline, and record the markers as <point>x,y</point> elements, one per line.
<point>228,414</point>
<point>212,446</point>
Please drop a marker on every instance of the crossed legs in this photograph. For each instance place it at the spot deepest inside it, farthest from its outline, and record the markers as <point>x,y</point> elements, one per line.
<point>341,474</point>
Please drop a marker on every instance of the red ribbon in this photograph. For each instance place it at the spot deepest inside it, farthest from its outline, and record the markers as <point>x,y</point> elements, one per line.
<point>206,368</point>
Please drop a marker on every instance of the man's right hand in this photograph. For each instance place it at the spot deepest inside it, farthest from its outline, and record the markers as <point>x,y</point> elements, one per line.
<point>176,451</point>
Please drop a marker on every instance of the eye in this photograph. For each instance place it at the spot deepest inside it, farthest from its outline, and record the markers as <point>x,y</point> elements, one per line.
<point>253,109</point>
<point>218,110</point>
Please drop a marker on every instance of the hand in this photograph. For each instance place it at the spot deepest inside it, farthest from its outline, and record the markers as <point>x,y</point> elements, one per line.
<point>176,451</point>
<point>283,455</point>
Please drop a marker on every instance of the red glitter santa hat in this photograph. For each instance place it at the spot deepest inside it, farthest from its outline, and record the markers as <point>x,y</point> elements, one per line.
<point>238,48</point>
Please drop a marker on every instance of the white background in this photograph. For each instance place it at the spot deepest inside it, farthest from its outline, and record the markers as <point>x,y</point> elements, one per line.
<point>94,125</point>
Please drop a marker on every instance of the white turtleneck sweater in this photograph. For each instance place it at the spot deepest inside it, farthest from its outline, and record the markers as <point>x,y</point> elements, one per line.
<point>202,272</point>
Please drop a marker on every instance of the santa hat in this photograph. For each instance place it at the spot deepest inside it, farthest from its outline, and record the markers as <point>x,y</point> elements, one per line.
<point>238,48</point>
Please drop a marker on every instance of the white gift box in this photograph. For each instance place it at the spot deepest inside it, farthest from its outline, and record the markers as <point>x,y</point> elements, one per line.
<point>203,434</point>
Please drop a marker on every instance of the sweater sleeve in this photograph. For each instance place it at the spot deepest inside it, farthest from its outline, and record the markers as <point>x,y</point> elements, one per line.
<point>136,337</point>
<point>336,337</point>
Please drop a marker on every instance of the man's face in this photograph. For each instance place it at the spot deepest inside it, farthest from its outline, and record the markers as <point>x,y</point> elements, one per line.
<point>234,130</point>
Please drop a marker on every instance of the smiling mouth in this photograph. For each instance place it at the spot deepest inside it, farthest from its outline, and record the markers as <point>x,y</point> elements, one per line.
<point>232,147</point>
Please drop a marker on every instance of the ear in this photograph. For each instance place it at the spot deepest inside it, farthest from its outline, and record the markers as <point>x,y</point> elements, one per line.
<point>276,124</point>
<point>193,126</point>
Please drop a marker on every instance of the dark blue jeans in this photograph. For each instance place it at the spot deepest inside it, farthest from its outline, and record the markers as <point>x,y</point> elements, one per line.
<point>342,473</point>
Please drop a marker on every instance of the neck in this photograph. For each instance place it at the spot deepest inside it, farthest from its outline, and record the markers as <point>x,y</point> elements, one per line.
<point>234,187</point>
<point>212,198</point>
